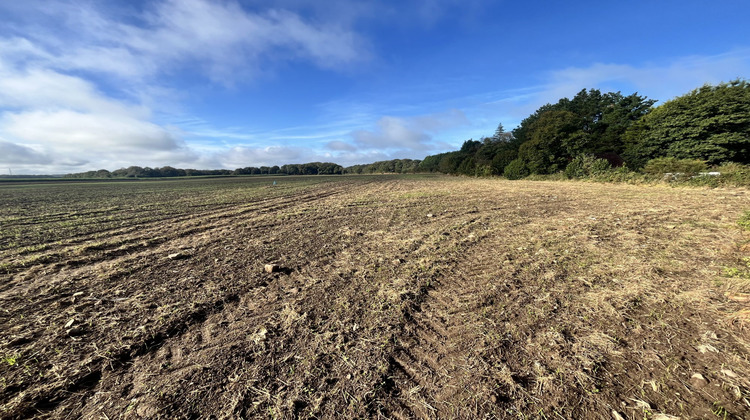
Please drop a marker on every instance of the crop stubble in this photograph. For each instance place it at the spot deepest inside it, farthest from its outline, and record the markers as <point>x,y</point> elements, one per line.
<point>406,297</point>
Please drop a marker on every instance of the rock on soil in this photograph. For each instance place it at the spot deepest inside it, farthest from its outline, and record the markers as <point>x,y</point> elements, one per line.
<point>698,380</point>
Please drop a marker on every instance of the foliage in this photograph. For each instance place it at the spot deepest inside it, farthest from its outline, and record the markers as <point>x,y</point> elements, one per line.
<point>516,170</point>
<point>545,152</point>
<point>673,165</point>
<point>312,168</point>
<point>711,123</point>
<point>744,221</point>
<point>395,166</point>
<point>467,166</point>
<point>583,166</point>
<point>601,120</point>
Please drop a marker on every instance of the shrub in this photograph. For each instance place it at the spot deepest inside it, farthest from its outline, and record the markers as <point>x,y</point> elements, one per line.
<point>744,221</point>
<point>583,166</point>
<point>516,169</point>
<point>673,165</point>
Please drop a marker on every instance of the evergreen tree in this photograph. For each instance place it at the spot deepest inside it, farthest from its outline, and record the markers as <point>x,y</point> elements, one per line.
<point>711,123</point>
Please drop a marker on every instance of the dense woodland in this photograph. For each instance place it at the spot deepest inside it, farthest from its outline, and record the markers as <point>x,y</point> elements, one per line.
<point>592,132</point>
<point>605,130</point>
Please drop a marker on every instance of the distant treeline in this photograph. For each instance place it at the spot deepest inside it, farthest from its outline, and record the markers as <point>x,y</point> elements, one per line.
<point>395,166</point>
<point>595,130</point>
<point>27,176</point>
<point>311,168</point>
<point>592,132</point>
<point>139,172</point>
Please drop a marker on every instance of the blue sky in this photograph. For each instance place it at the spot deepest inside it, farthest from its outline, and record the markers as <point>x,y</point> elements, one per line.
<point>233,83</point>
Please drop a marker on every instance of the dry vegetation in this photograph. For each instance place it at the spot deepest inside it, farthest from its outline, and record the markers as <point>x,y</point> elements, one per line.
<point>397,297</point>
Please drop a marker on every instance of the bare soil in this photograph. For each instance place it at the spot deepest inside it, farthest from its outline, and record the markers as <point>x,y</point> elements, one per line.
<point>394,297</point>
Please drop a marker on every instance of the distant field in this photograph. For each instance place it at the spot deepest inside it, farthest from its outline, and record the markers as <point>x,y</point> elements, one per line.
<point>396,297</point>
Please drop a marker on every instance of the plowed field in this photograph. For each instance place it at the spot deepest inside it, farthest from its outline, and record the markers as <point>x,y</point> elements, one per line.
<point>395,297</point>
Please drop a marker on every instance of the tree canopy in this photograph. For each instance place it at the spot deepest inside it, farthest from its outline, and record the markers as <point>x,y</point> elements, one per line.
<point>711,123</point>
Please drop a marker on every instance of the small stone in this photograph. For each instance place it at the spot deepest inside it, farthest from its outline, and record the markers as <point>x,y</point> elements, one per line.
<point>698,380</point>
<point>617,416</point>
<point>271,268</point>
<point>76,331</point>
<point>430,215</point>
<point>178,256</point>
<point>705,348</point>
<point>641,404</point>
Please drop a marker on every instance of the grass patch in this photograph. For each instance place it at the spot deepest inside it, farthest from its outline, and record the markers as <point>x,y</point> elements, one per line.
<point>744,221</point>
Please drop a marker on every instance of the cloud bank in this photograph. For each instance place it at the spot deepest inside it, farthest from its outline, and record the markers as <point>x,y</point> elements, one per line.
<point>63,66</point>
<point>88,85</point>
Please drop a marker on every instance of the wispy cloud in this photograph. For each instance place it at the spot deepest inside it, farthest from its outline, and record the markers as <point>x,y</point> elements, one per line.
<point>412,134</point>
<point>79,81</point>
<point>341,146</point>
<point>662,80</point>
<point>226,42</point>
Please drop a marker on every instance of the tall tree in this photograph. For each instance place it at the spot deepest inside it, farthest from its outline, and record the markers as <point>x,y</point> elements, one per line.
<point>711,123</point>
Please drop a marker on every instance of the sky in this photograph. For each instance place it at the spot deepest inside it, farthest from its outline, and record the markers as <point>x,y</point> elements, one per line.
<point>210,84</point>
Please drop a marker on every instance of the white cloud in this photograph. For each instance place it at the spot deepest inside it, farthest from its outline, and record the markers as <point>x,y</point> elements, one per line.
<point>220,38</point>
<point>65,122</point>
<point>662,81</point>
<point>11,153</point>
<point>47,89</point>
<point>57,61</point>
<point>241,156</point>
<point>86,133</point>
<point>392,132</point>
<point>340,146</point>
<point>409,134</point>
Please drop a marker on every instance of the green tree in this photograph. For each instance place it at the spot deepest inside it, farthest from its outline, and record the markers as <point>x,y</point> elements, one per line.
<point>552,134</point>
<point>449,162</point>
<point>711,124</point>
<point>601,121</point>
<point>467,166</point>
<point>515,170</point>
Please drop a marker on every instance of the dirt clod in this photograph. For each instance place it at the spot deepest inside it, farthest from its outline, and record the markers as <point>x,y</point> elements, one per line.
<point>272,268</point>
<point>698,381</point>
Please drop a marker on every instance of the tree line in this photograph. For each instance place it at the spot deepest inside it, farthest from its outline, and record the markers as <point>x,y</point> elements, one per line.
<point>310,168</point>
<point>591,132</point>
<point>596,131</point>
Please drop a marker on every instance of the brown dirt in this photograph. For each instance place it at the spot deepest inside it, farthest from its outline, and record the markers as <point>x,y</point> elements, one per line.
<point>397,297</point>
